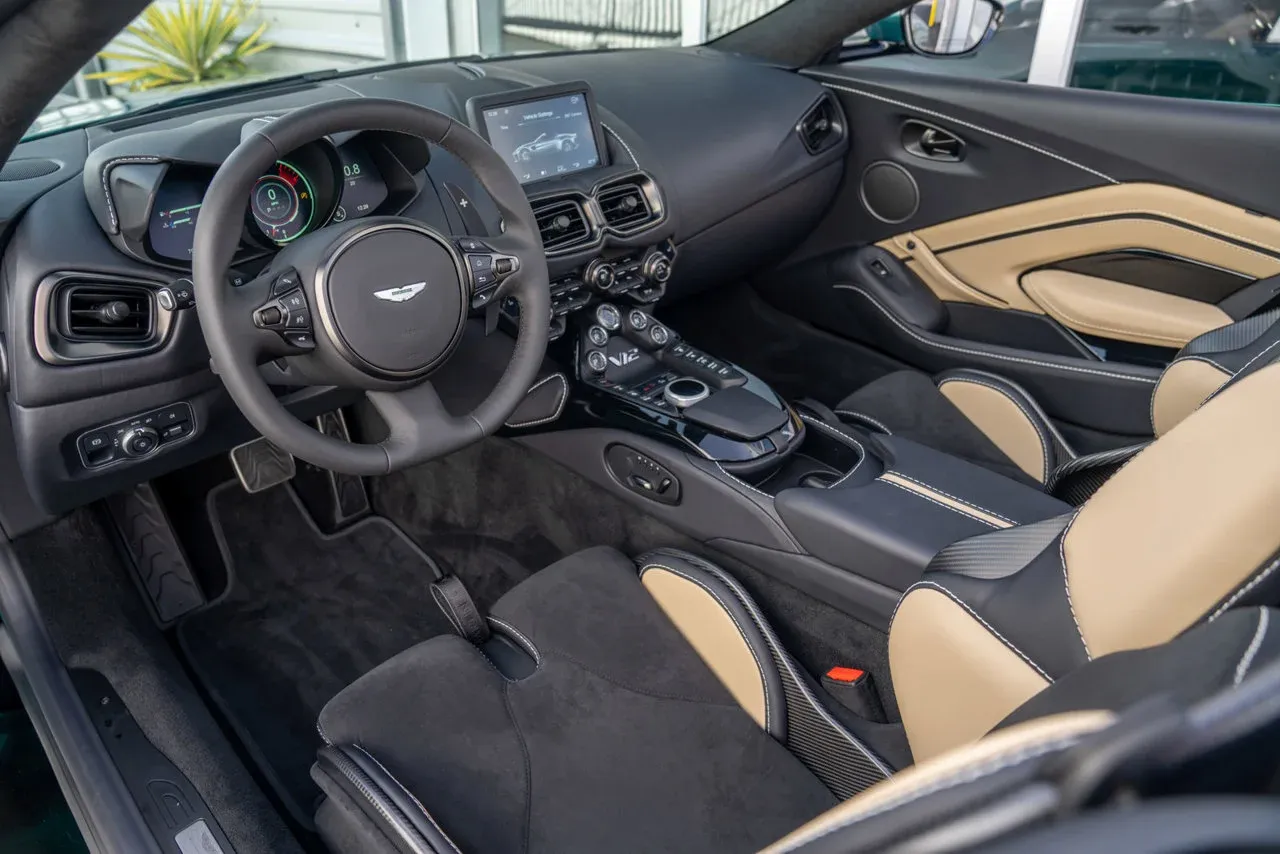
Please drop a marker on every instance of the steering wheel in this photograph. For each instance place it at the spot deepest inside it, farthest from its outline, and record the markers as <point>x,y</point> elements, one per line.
<point>381,302</point>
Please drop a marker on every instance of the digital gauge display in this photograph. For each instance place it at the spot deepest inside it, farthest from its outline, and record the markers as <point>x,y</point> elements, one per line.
<point>283,203</point>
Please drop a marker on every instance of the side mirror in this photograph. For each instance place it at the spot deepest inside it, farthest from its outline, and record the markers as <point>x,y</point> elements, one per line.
<point>950,27</point>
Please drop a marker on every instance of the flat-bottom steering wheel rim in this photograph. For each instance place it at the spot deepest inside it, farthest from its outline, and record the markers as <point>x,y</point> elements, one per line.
<point>420,428</point>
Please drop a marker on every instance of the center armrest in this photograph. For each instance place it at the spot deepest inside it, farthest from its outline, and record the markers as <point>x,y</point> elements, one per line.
<point>889,527</point>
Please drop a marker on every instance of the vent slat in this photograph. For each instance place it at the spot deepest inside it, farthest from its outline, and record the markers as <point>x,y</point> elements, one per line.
<point>624,205</point>
<point>561,223</point>
<point>84,316</point>
<point>820,128</point>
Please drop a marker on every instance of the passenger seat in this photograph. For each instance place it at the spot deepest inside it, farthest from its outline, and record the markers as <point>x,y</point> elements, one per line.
<point>993,422</point>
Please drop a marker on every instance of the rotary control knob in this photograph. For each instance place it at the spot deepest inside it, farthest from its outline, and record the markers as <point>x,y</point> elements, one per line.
<point>609,317</point>
<point>685,392</point>
<point>657,268</point>
<point>598,336</point>
<point>597,362</point>
<point>600,275</point>
<point>659,335</point>
<point>637,320</point>
<point>139,441</point>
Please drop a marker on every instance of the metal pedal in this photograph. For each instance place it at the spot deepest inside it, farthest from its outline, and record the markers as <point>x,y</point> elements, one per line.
<point>261,465</point>
<point>159,564</point>
<point>333,500</point>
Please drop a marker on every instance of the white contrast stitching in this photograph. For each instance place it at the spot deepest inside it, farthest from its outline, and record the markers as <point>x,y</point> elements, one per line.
<point>862,452</point>
<point>410,834</point>
<point>966,502</point>
<point>776,647</point>
<point>1242,669</point>
<point>417,802</point>
<point>106,190</point>
<point>972,613</point>
<point>519,636</point>
<point>1044,440</point>
<point>564,398</point>
<point>619,138</point>
<point>764,678</point>
<point>873,422</point>
<point>969,775</point>
<point>970,125</point>
<point>955,510</point>
<point>1091,327</point>
<point>984,353</point>
<point>1028,400</point>
<point>1066,584</point>
<point>1235,597</point>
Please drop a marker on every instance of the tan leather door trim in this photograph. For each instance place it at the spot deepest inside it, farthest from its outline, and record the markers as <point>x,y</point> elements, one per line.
<point>1119,311</point>
<point>988,253</point>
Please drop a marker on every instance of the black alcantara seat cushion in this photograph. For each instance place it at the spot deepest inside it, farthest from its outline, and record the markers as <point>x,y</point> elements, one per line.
<point>621,740</point>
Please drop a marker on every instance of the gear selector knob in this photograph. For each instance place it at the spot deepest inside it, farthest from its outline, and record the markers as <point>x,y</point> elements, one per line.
<point>685,392</point>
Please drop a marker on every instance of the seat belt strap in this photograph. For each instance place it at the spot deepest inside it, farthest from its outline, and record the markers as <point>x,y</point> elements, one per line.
<point>452,597</point>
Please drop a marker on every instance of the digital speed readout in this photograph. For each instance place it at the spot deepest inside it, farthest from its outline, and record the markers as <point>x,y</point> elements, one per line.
<point>283,203</point>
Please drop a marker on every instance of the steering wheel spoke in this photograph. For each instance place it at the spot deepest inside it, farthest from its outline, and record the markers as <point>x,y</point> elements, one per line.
<point>273,317</point>
<point>490,262</point>
<point>419,425</point>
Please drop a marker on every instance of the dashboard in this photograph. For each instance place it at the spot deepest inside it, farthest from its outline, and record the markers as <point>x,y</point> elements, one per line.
<point>653,174</point>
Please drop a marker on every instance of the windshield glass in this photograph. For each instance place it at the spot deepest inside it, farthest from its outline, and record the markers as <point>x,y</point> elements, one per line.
<point>184,48</point>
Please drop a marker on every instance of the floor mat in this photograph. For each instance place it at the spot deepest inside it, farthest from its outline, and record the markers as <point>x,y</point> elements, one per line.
<point>304,615</point>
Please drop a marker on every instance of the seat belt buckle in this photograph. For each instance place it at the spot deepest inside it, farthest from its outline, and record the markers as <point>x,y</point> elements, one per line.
<point>853,688</point>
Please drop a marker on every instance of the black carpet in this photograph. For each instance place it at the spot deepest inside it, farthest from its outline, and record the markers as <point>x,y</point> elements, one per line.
<point>98,621</point>
<point>304,615</point>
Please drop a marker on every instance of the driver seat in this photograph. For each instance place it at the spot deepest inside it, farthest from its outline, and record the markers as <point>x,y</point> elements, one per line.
<point>656,709</point>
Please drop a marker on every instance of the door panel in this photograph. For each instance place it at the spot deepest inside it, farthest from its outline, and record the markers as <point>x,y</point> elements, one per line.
<point>1109,309</point>
<point>1076,240</point>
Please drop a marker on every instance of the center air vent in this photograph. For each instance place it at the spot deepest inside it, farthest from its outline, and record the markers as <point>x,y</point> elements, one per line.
<point>105,312</point>
<point>821,127</point>
<point>562,224</point>
<point>624,206</point>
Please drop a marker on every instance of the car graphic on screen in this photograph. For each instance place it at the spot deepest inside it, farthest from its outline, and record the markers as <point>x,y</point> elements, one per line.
<point>560,142</point>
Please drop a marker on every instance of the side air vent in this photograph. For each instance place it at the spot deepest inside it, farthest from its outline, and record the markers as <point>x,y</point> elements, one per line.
<point>105,312</point>
<point>624,206</point>
<point>821,127</point>
<point>562,224</point>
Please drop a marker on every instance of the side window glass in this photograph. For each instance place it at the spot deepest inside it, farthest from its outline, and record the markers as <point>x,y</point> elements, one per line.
<point>1208,49</point>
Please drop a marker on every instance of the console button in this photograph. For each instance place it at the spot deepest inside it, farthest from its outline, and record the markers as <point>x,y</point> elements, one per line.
<point>659,335</point>
<point>96,448</point>
<point>608,317</point>
<point>598,336</point>
<point>139,441</point>
<point>176,431</point>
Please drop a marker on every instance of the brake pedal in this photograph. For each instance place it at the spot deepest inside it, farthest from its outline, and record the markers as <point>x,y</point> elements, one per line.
<point>260,465</point>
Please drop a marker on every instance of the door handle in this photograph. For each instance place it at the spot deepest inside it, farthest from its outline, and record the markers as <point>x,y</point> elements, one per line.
<point>940,145</point>
<point>931,143</point>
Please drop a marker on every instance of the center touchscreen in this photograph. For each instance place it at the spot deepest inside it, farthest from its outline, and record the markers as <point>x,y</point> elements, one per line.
<point>544,138</point>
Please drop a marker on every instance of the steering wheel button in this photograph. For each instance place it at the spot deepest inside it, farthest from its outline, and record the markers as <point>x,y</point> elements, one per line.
<point>503,266</point>
<point>484,280</point>
<point>470,244</point>
<point>300,319</point>
<point>285,282</point>
<point>301,340</point>
<point>294,301</point>
<point>480,263</point>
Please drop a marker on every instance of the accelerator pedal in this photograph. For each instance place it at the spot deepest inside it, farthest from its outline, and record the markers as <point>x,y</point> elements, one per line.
<point>260,465</point>
<point>333,500</point>
<point>160,567</point>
